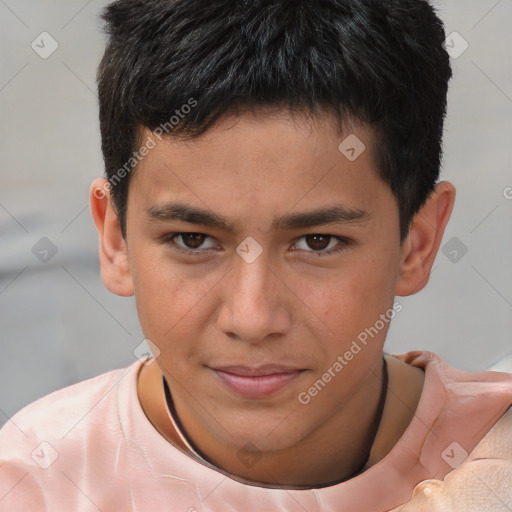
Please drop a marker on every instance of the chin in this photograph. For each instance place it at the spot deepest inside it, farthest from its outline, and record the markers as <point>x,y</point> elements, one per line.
<point>265,434</point>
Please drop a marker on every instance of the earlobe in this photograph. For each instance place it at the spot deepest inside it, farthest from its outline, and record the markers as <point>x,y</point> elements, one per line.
<point>425,235</point>
<point>115,267</point>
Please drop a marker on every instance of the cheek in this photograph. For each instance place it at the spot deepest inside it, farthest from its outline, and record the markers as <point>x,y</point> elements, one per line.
<point>170,297</point>
<point>352,297</point>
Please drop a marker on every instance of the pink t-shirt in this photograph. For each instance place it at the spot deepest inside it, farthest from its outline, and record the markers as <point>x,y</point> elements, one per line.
<point>90,447</point>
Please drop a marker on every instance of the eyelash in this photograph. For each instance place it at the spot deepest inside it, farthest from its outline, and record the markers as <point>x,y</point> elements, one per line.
<point>343,244</point>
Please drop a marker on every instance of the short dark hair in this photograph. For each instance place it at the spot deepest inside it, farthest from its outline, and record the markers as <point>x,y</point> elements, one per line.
<point>380,62</point>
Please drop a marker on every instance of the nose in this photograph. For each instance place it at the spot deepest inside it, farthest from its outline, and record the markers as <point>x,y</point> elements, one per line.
<point>255,302</point>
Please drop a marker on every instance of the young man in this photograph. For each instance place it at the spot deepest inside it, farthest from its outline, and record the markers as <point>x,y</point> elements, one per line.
<point>272,186</point>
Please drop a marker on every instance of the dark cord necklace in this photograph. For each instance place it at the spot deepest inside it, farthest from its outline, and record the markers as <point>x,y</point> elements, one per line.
<point>376,422</point>
<point>375,426</point>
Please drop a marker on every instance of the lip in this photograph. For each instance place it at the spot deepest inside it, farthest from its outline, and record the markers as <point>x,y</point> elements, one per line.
<point>259,382</point>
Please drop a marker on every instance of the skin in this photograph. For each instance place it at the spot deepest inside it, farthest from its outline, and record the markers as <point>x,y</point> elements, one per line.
<point>290,306</point>
<point>480,484</point>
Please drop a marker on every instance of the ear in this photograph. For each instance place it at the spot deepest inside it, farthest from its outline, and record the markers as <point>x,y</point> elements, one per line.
<point>420,248</point>
<point>115,266</point>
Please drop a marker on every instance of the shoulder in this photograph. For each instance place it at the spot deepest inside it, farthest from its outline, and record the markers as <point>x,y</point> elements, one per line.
<point>55,415</point>
<point>53,445</point>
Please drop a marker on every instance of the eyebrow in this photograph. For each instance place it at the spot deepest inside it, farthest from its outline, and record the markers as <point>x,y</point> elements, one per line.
<point>337,214</point>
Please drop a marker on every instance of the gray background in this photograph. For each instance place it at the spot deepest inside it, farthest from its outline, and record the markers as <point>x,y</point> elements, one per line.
<point>59,325</point>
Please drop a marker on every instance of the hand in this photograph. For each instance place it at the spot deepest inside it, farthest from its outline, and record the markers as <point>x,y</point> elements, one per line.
<point>482,485</point>
<point>428,496</point>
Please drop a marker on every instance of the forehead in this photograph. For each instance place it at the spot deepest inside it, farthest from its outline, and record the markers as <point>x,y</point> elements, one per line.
<point>264,163</point>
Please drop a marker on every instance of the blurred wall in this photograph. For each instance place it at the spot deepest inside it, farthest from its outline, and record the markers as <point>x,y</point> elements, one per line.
<point>59,325</point>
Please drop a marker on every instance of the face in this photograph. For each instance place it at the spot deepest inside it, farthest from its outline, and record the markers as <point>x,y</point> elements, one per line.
<point>259,254</point>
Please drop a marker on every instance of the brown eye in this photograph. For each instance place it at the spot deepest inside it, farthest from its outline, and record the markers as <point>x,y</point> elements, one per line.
<point>190,243</point>
<point>318,242</point>
<point>322,245</point>
<point>193,240</point>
